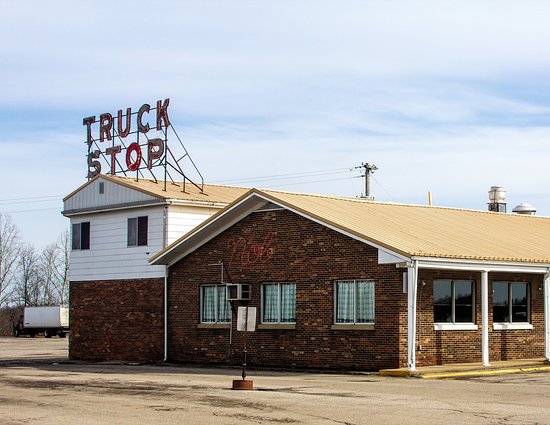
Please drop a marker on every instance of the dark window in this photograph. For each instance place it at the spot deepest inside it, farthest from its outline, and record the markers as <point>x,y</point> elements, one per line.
<point>453,301</point>
<point>137,231</point>
<point>101,188</point>
<point>510,302</point>
<point>81,235</point>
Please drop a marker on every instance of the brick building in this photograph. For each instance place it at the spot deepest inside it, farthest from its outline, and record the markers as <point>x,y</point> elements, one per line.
<point>339,283</point>
<point>345,283</point>
<point>117,223</point>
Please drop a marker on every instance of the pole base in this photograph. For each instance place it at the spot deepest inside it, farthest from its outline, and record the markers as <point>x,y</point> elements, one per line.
<point>242,384</point>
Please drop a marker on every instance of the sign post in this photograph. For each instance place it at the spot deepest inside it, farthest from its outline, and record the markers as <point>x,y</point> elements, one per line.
<point>246,322</point>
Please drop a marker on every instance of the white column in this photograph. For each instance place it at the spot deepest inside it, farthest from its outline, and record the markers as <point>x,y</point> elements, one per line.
<point>485,317</point>
<point>547,315</point>
<point>412,271</point>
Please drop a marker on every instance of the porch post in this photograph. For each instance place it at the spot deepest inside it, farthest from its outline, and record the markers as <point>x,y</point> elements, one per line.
<point>412,271</point>
<point>485,317</point>
<point>547,315</point>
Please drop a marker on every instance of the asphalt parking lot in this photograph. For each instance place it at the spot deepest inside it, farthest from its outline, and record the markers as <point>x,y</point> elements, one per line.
<point>38,385</point>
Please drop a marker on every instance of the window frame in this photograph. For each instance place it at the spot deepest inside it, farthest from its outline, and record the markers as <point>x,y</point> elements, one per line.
<point>510,323</point>
<point>279,303</point>
<point>139,237</point>
<point>355,322</point>
<point>81,225</point>
<point>453,322</point>
<point>216,305</point>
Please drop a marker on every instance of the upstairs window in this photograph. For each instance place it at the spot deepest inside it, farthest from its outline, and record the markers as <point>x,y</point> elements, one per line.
<point>453,301</point>
<point>510,302</point>
<point>354,301</point>
<point>80,236</point>
<point>137,231</point>
<point>279,303</point>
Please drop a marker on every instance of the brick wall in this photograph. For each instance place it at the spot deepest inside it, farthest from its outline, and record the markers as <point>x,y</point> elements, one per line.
<point>305,253</point>
<point>117,320</point>
<point>440,347</point>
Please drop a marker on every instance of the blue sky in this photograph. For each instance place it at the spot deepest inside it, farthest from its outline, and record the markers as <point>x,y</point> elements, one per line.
<point>443,96</point>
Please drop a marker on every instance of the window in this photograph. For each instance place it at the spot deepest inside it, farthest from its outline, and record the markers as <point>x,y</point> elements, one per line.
<point>453,301</point>
<point>137,231</point>
<point>101,188</point>
<point>354,301</point>
<point>279,303</point>
<point>510,302</point>
<point>214,305</point>
<point>81,236</point>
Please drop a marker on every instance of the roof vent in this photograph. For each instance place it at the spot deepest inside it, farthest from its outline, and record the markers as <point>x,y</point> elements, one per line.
<point>525,209</point>
<point>497,198</point>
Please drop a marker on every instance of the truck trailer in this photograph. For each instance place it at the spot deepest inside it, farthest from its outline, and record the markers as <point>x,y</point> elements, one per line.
<point>50,321</point>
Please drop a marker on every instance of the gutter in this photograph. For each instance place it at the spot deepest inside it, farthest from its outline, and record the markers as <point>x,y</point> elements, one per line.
<point>165,359</point>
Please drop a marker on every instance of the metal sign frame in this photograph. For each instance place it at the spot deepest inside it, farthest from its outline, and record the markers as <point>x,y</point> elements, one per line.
<point>118,140</point>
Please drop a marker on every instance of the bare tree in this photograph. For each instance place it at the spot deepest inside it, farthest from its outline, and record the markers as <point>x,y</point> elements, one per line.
<point>63,248</point>
<point>10,246</point>
<point>28,283</point>
<point>54,271</point>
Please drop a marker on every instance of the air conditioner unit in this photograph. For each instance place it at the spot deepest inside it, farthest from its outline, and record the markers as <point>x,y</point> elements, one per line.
<point>238,291</point>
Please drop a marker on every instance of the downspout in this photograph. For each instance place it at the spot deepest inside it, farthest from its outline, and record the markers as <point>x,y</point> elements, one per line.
<point>547,315</point>
<point>412,281</point>
<point>164,245</point>
<point>485,317</point>
<point>165,359</point>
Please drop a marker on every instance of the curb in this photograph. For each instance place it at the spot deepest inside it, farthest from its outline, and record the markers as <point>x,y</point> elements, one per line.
<point>404,373</point>
<point>474,373</point>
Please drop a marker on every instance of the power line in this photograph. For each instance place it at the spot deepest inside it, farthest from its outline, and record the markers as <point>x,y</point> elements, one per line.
<point>308,182</point>
<point>287,176</point>
<point>33,210</point>
<point>32,197</point>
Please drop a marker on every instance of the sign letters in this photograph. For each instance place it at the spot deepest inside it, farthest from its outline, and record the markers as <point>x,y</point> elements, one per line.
<point>129,141</point>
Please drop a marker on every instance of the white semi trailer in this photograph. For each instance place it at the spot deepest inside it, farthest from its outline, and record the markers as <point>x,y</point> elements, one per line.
<point>50,321</point>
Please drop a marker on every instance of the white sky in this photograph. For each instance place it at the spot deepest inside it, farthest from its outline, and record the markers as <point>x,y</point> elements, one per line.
<point>443,96</point>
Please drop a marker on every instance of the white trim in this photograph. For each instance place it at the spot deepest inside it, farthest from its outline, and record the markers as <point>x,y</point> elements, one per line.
<point>546,296</point>
<point>412,283</point>
<point>476,265</point>
<point>512,326</point>
<point>455,327</point>
<point>485,317</point>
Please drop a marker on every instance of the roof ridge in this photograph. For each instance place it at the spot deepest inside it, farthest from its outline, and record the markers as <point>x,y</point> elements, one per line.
<point>400,204</point>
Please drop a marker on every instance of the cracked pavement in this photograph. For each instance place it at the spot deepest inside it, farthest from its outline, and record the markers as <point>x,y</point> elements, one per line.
<point>39,386</point>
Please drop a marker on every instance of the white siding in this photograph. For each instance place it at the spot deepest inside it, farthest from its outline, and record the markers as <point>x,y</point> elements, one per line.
<point>182,219</point>
<point>385,257</point>
<point>109,257</point>
<point>115,194</point>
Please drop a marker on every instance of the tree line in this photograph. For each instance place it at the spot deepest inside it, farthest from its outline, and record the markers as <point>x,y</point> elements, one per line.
<point>29,276</point>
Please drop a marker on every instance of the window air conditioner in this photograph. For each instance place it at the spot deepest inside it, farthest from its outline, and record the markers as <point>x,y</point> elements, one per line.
<point>238,291</point>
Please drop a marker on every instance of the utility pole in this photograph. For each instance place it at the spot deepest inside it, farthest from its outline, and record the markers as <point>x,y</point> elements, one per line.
<point>369,169</point>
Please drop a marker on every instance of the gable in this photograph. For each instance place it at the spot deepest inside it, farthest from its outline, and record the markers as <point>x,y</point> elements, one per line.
<point>89,198</point>
<point>279,244</point>
<point>255,203</point>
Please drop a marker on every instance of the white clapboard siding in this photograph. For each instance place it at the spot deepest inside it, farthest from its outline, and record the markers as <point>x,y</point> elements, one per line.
<point>109,257</point>
<point>114,194</point>
<point>182,219</point>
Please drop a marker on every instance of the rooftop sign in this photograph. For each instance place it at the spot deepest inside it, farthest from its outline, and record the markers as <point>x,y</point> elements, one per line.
<point>131,142</point>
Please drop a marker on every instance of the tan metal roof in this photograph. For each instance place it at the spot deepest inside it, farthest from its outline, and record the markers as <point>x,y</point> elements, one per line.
<point>408,230</point>
<point>211,192</point>
<point>427,231</point>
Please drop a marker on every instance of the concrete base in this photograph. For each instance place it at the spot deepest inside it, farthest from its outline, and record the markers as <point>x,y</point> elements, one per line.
<point>242,384</point>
